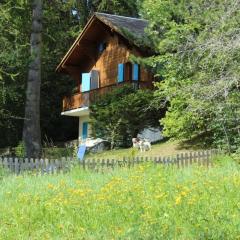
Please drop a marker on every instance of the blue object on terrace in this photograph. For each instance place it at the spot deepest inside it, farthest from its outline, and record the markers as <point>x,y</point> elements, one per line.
<point>81,152</point>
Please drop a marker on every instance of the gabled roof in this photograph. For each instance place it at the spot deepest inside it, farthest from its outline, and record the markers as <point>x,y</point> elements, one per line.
<point>130,28</point>
<point>135,26</point>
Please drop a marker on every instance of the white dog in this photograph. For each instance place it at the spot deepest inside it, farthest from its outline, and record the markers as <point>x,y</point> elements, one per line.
<point>142,144</point>
<point>145,145</point>
<point>135,142</point>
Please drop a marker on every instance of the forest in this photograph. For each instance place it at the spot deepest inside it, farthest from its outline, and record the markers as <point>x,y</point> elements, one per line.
<point>196,45</point>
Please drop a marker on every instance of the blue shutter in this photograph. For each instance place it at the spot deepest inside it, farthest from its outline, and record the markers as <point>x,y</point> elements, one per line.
<point>120,72</point>
<point>84,130</point>
<point>135,72</point>
<point>86,82</point>
<point>94,79</point>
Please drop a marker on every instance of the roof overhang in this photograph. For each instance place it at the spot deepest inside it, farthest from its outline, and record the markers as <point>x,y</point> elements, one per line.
<point>81,39</point>
<point>78,112</point>
<point>61,66</point>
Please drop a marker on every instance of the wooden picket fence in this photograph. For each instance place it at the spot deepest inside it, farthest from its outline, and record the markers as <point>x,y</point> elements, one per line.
<point>36,166</point>
<point>52,166</point>
<point>200,158</point>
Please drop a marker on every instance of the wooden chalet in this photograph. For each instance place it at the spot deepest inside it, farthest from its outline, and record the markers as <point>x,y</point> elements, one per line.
<point>98,61</point>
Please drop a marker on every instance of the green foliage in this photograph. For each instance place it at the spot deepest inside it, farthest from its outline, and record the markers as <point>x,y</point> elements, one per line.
<point>119,7</point>
<point>20,150</point>
<point>197,46</point>
<point>14,38</point>
<point>146,202</point>
<point>60,27</point>
<point>122,114</point>
<point>57,152</point>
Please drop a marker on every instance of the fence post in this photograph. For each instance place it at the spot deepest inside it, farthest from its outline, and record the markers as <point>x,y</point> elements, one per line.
<point>146,159</point>
<point>186,158</point>
<point>160,160</point>
<point>137,160</point>
<point>129,162</point>
<point>208,157</point>
<point>199,158</point>
<point>182,160</point>
<point>113,164</point>
<point>94,164</point>
<point>103,164</point>
<point>83,164</point>
<point>133,161</point>
<point>10,164</point>
<point>168,161</point>
<point>98,165</point>
<point>36,165</point>
<point>16,167</point>
<point>124,161</point>
<point>190,158</point>
<point>41,165</point>
<point>178,160</point>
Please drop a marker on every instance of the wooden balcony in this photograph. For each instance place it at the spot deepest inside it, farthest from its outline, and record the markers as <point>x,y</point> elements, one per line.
<point>86,98</point>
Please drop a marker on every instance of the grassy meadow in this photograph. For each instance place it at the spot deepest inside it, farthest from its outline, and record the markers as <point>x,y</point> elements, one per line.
<point>163,148</point>
<point>145,202</point>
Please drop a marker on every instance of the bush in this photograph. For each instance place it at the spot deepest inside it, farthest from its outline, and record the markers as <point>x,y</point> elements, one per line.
<point>20,150</point>
<point>122,114</point>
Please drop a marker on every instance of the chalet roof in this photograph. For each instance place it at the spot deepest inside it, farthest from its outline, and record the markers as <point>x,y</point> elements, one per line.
<point>130,28</point>
<point>135,26</point>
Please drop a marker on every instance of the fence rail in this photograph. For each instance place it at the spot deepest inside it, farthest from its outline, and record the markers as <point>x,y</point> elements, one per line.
<point>38,166</point>
<point>52,166</point>
<point>200,158</point>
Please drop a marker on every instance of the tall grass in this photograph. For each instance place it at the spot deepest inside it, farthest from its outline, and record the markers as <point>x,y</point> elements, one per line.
<point>146,202</point>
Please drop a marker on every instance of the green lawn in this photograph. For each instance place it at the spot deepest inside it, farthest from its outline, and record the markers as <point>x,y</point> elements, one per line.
<point>145,202</point>
<point>167,148</point>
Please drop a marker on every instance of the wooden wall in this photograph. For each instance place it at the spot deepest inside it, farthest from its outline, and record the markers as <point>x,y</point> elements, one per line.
<point>117,51</point>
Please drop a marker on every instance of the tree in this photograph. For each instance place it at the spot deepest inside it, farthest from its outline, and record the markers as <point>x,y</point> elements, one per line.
<point>122,114</point>
<point>14,32</point>
<point>198,49</point>
<point>61,26</point>
<point>31,129</point>
<point>119,7</point>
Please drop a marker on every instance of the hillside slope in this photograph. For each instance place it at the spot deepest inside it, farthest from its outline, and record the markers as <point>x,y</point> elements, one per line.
<point>167,148</point>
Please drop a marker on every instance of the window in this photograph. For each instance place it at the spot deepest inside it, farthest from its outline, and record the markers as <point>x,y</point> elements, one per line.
<point>120,72</point>
<point>101,47</point>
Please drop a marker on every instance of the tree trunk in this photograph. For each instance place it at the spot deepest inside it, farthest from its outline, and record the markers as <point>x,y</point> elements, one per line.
<point>31,128</point>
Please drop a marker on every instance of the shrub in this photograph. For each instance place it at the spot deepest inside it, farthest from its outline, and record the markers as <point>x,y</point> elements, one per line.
<point>120,115</point>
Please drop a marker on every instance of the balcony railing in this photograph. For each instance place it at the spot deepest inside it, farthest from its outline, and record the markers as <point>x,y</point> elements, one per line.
<point>86,98</point>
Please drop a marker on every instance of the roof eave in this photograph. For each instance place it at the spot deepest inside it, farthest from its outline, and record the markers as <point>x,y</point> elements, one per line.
<point>60,67</point>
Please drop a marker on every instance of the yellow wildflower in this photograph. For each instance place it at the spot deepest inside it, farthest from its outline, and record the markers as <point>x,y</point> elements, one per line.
<point>178,200</point>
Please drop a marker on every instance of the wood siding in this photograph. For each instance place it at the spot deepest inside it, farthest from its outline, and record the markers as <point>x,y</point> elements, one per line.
<point>85,99</point>
<point>117,51</point>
